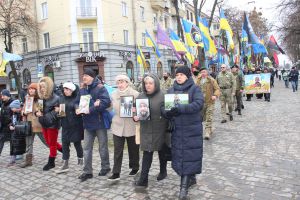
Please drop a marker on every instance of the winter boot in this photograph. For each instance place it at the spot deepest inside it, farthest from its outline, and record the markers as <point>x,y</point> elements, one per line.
<point>207,133</point>
<point>80,161</point>
<point>64,168</point>
<point>239,112</point>
<point>184,187</point>
<point>163,171</point>
<point>27,162</point>
<point>50,164</point>
<point>193,180</point>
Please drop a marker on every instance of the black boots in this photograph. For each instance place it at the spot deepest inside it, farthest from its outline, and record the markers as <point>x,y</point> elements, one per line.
<point>163,170</point>
<point>50,164</point>
<point>184,187</point>
<point>239,112</point>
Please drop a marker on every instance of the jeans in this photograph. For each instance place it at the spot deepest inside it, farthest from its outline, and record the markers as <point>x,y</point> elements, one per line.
<point>286,82</point>
<point>133,152</point>
<point>89,137</point>
<point>294,85</point>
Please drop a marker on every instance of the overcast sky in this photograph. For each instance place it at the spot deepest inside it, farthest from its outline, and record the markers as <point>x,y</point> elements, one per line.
<point>267,7</point>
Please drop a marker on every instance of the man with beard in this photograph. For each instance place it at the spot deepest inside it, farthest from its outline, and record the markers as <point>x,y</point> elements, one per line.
<point>144,111</point>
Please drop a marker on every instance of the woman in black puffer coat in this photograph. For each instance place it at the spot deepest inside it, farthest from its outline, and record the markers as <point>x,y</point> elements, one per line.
<point>186,139</point>
<point>72,125</point>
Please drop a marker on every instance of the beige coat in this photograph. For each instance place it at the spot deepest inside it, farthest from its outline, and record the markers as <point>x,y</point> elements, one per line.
<point>36,126</point>
<point>122,127</point>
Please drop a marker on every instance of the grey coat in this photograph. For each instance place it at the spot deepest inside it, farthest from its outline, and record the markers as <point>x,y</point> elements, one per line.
<point>153,131</point>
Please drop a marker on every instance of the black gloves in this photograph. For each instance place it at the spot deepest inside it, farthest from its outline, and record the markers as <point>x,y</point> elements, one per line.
<point>174,112</point>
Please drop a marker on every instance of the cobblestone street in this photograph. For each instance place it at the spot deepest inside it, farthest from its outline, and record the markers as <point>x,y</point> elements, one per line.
<point>257,156</point>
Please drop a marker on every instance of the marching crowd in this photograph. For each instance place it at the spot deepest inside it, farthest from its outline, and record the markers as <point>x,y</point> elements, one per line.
<point>176,134</point>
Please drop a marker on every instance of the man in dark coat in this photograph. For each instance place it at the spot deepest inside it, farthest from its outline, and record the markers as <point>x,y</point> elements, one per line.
<point>6,114</point>
<point>294,76</point>
<point>187,139</point>
<point>93,123</point>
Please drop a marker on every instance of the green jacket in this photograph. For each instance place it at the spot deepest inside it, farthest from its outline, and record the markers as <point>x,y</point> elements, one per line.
<point>226,81</point>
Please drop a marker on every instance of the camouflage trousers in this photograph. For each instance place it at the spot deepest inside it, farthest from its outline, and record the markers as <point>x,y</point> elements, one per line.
<point>226,100</point>
<point>207,113</point>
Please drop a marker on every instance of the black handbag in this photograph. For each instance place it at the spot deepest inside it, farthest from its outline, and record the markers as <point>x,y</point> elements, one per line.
<point>24,127</point>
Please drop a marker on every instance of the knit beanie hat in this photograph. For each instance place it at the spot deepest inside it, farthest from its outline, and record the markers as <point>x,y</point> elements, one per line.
<point>33,86</point>
<point>70,86</point>
<point>123,77</point>
<point>89,72</point>
<point>5,92</point>
<point>184,70</point>
<point>15,104</point>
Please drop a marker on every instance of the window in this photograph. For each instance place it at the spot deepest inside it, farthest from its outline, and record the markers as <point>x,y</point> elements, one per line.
<point>143,39</point>
<point>124,9</point>
<point>44,10</point>
<point>86,8</point>
<point>187,15</point>
<point>12,82</point>
<point>129,70</point>
<point>142,13</point>
<point>26,77</point>
<point>88,39</point>
<point>46,41</point>
<point>125,33</point>
<point>49,72</point>
<point>159,70</point>
<point>147,67</point>
<point>166,22</point>
<point>24,45</point>
<point>192,17</point>
<point>155,19</point>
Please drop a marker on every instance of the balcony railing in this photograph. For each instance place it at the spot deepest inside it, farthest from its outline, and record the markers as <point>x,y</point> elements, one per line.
<point>86,12</point>
<point>89,47</point>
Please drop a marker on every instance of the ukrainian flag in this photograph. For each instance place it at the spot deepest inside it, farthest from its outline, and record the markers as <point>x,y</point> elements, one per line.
<point>209,44</point>
<point>5,58</point>
<point>140,57</point>
<point>152,44</point>
<point>192,34</point>
<point>224,25</point>
<point>178,45</point>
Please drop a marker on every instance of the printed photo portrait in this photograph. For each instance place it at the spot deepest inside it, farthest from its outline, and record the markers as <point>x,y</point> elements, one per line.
<point>173,100</point>
<point>143,109</point>
<point>126,104</point>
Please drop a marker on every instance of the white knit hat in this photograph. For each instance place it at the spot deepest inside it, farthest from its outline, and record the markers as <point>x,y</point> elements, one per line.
<point>123,77</point>
<point>69,85</point>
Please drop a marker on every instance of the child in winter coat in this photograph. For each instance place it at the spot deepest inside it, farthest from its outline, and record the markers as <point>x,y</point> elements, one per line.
<point>17,143</point>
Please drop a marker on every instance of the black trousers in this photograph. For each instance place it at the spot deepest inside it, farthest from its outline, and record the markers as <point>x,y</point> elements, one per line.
<point>133,152</point>
<point>267,96</point>
<point>238,96</point>
<point>249,96</point>
<point>147,161</point>
<point>66,149</point>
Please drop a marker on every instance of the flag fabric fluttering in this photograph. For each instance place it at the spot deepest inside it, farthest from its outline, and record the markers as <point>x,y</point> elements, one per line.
<point>178,45</point>
<point>224,25</point>
<point>150,42</point>
<point>247,27</point>
<point>209,44</point>
<point>192,34</point>
<point>140,57</point>
<point>276,60</point>
<point>5,58</point>
<point>163,38</point>
<point>274,46</point>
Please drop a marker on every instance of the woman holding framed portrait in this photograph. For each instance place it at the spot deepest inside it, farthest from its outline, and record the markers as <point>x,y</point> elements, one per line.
<point>123,127</point>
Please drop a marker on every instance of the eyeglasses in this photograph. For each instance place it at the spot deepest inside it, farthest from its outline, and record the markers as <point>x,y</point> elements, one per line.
<point>223,67</point>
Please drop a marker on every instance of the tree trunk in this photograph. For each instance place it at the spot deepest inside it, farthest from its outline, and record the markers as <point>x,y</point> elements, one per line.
<point>179,28</point>
<point>212,13</point>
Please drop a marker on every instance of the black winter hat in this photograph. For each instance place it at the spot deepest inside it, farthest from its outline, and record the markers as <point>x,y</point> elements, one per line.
<point>184,70</point>
<point>5,92</point>
<point>89,72</point>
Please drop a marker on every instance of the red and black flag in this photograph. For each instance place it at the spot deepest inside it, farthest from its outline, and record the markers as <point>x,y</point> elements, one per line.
<point>273,45</point>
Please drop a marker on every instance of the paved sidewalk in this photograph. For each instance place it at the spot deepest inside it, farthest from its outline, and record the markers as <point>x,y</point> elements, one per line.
<point>257,156</point>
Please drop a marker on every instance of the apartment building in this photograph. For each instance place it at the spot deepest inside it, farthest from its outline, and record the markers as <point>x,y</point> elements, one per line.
<point>97,34</point>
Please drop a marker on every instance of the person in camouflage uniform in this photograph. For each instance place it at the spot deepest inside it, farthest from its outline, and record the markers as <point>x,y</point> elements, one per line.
<point>211,92</point>
<point>166,82</point>
<point>227,85</point>
<point>239,80</point>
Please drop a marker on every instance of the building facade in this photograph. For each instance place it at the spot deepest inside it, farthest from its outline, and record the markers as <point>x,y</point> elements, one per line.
<point>97,34</point>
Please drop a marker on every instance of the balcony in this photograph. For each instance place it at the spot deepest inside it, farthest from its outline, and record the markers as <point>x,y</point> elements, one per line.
<point>86,13</point>
<point>89,47</point>
<point>181,12</point>
<point>159,4</point>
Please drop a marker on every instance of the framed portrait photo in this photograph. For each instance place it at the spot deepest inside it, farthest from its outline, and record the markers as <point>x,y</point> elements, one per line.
<point>126,104</point>
<point>172,100</point>
<point>143,109</point>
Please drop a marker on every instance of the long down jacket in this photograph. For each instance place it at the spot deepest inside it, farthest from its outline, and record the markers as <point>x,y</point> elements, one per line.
<point>186,139</point>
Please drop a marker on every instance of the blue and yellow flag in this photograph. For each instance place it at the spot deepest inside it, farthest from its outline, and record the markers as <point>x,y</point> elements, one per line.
<point>178,45</point>
<point>192,34</point>
<point>140,57</point>
<point>224,25</point>
<point>152,44</point>
<point>5,58</point>
<point>247,27</point>
<point>209,44</point>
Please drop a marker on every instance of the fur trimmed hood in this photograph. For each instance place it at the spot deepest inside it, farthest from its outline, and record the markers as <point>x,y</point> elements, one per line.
<point>49,86</point>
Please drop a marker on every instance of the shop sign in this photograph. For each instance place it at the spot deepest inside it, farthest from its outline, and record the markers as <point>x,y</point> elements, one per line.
<point>91,56</point>
<point>49,60</point>
<point>125,54</point>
